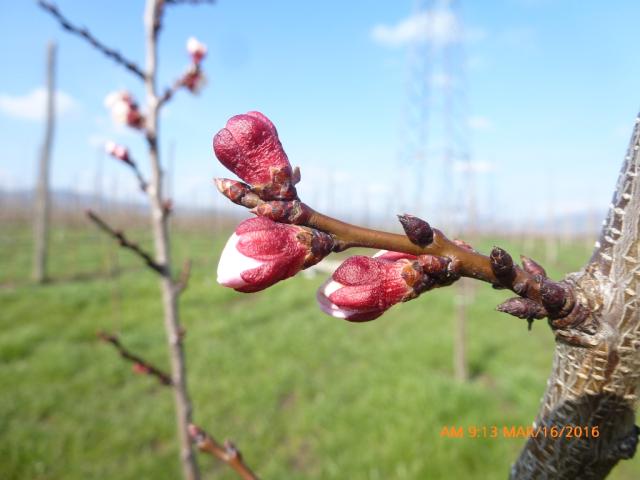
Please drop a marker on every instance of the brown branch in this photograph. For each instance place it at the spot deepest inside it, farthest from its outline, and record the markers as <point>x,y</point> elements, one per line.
<point>464,261</point>
<point>144,366</point>
<point>88,36</point>
<point>557,300</point>
<point>124,242</point>
<point>228,452</point>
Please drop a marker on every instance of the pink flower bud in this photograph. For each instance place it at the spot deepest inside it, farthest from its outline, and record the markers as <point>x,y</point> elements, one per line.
<point>363,288</point>
<point>194,80</point>
<point>196,49</point>
<point>262,252</point>
<point>124,109</point>
<point>249,147</point>
<point>118,151</point>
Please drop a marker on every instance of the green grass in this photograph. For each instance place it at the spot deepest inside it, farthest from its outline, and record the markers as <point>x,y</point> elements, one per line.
<point>302,394</point>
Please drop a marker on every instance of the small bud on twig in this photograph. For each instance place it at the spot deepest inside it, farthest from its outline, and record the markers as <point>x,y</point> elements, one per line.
<point>502,266</point>
<point>417,230</point>
<point>292,211</point>
<point>556,298</point>
<point>532,267</point>
<point>523,308</point>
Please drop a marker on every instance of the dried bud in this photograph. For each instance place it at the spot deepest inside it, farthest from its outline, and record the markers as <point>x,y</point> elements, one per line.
<point>194,80</point>
<point>262,252</point>
<point>249,147</point>
<point>502,265</point>
<point>196,49</point>
<point>522,308</point>
<point>118,151</point>
<point>556,297</point>
<point>438,268</point>
<point>124,109</point>
<point>291,211</point>
<point>363,288</point>
<point>238,192</point>
<point>417,230</point>
<point>532,267</point>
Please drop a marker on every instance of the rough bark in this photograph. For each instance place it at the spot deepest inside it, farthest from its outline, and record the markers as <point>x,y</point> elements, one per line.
<point>159,223</point>
<point>42,200</point>
<point>596,386</point>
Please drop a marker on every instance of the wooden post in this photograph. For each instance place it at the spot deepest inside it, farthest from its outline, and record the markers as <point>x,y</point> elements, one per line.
<point>42,201</point>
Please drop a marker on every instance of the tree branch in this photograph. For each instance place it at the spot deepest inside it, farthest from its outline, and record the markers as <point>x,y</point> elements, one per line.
<point>556,300</point>
<point>228,452</point>
<point>144,366</point>
<point>88,36</point>
<point>126,243</point>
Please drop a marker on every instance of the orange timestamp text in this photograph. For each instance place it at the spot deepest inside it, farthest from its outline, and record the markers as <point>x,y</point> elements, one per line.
<point>520,431</point>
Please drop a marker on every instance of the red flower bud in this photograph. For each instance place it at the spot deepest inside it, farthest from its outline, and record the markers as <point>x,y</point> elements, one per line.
<point>262,252</point>
<point>249,147</point>
<point>363,288</point>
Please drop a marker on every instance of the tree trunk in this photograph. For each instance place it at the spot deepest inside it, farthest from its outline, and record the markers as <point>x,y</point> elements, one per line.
<point>595,385</point>
<point>159,221</point>
<point>42,200</point>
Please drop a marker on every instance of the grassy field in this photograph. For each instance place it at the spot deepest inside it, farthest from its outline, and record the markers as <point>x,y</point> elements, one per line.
<point>304,396</point>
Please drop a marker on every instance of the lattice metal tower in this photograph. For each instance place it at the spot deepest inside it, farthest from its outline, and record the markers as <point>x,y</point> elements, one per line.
<point>435,169</point>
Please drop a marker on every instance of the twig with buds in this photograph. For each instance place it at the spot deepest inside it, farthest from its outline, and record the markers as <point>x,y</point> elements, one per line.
<point>121,153</point>
<point>140,365</point>
<point>293,236</point>
<point>86,35</point>
<point>228,452</point>
<point>126,243</point>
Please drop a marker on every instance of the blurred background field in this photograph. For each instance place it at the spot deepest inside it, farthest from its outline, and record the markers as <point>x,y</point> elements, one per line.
<point>303,395</point>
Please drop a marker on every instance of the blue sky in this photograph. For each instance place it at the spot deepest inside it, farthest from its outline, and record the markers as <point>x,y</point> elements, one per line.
<point>552,89</point>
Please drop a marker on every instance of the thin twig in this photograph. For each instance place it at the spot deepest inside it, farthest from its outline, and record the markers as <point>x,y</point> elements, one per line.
<point>228,452</point>
<point>84,33</point>
<point>144,366</point>
<point>124,242</point>
<point>169,92</point>
<point>185,275</point>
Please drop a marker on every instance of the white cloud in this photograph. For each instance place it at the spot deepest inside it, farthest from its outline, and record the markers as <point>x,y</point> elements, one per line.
<point>478,122</point>
<point>32,106</point>
<point>439,26</point>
